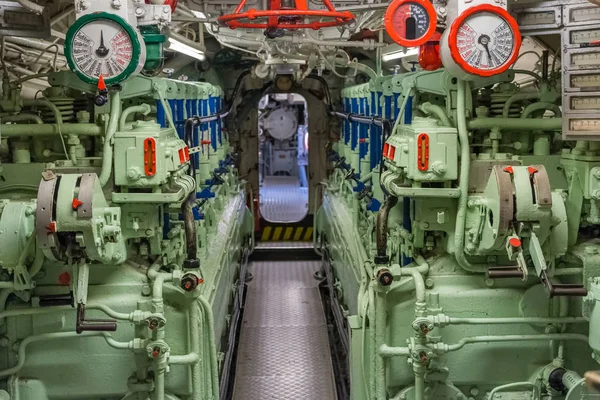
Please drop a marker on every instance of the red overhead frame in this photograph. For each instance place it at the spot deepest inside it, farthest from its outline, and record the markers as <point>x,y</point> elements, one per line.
<point>453,39</point>
<point>286,18</point>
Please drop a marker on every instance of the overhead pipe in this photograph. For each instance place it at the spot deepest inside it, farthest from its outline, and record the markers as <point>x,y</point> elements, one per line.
<point>31,6</point>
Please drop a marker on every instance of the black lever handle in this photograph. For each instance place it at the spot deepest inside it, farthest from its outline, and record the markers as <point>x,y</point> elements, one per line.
<point>505,272</point>
<point>96,325</point>
<point>53,300</point>
<point>563,289</point>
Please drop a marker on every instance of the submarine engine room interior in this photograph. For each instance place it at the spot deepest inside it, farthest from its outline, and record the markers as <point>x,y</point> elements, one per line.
<point>299,200</point>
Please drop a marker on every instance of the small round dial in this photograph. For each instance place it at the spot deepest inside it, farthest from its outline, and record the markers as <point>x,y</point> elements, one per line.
<point>484,40</point>
<point>104,44</point>
<point>410,23</point>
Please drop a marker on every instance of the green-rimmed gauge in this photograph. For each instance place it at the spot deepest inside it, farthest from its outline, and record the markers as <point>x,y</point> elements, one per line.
<point>104,44</point>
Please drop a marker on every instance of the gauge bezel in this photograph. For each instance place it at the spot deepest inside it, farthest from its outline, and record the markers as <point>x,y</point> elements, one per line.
<point>389,25</point>
<point>453,40</point>
<point>136,52</point>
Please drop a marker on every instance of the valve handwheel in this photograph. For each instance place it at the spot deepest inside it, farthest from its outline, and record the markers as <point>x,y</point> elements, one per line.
<point>279,18</point>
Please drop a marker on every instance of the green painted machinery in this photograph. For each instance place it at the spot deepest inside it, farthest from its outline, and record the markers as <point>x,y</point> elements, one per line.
<point>124,236</point>
<point>461,251</point>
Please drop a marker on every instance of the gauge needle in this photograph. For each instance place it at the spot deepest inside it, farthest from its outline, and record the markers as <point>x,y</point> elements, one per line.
<point>484,40</point>
<point>101,51</point>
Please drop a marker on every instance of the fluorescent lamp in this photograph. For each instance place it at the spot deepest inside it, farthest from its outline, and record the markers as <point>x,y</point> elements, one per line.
<point>198,14</point>
<point>400,54</point>
<point>180,47</point>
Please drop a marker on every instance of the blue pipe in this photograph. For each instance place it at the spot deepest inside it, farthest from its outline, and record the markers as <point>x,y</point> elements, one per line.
<point>160,115</point>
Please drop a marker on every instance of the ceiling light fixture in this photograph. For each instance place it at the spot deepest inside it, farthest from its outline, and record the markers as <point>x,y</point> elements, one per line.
<point>394,55</point>
<point>180,47</point>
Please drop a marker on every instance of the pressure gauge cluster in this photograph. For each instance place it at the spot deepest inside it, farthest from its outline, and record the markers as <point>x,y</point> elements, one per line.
<point>104,44</point>
<point>410,23</point>
<point>483,41</point>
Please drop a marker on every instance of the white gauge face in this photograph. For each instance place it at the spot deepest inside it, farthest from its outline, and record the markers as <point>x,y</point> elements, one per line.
<point>485,41</point>
<point>102,47</point>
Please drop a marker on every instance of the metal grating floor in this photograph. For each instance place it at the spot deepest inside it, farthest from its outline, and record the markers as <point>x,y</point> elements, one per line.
<point>282,199</point>
<point>284,350</point>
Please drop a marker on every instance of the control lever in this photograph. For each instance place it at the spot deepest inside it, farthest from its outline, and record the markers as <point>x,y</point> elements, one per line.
<point>515,253</point>
<point>505,272</point>
<point>563,289</point>
<point>52,300</point>
<point>81,292</point>
<point>535,250</point>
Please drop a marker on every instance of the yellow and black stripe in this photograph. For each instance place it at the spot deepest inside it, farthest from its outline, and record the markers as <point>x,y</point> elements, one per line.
<point>301,231</point>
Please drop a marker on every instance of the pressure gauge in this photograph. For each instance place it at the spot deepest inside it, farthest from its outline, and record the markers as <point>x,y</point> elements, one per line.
<point>484,40</point>
<point>104,44</point>
<point>410,23</point>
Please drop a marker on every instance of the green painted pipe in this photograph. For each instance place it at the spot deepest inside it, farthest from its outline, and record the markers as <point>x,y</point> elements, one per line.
<point>539,124</point>
<point>22,117</point>
<point>518,97</point>
<point>511,338</point>
<point>57,336</point>
<point>113,124</point>
<point>516,320</point>
<point>142,108</point>
<point>465,165</point>
<point>542,105</point>
<point>438,111</point>
<point>36,130</point>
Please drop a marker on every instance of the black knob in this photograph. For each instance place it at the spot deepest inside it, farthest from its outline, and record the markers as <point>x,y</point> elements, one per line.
<point>189,282</point>
<point>385,277</point>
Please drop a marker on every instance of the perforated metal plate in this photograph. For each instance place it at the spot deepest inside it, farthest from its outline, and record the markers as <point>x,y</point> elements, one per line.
<point>284,350</point>
<point>282,199</point>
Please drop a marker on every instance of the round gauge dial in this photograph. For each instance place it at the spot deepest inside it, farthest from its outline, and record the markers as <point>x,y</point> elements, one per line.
<point>484,40</point>
<point>283,83</point>
<point>104,44</point>
<point>410,23</point>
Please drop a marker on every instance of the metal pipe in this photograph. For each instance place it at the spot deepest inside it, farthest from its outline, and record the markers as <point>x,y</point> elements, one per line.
<point>30,5</point>
<point>142,108</point>
<point>465,166</point>
<point>509,386</point>
<point>542,105</point>
<point>518,97</point>
<point>382,226</point>
<point>37,44</point>
<point>436,110</point>
<point>62,14</point>
<point>50,130</point>
<point>210,325</point>
<point>195,335</point>
<point>388,351</point>
<point>185,359</point>
<point>107,154</point>
<point>395,189</point>
<point>510,338</point>
<point>512,320</point>
<point>22,117</point>
<point>541,124</point>
<point>22,355</point>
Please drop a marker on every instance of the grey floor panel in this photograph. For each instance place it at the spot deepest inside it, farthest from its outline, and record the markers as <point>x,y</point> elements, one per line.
<point>269,275</point>
<point>284,349</point>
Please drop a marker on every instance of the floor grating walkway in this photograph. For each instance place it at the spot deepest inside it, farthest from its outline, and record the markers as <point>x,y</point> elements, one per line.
<point>284,350</point>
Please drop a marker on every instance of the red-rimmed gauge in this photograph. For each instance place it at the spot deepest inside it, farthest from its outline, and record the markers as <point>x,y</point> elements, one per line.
<point>410,23</point>
<point>484,40</point>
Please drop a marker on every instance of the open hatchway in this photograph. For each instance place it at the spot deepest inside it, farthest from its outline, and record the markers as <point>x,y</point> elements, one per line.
<point>283,157</point>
